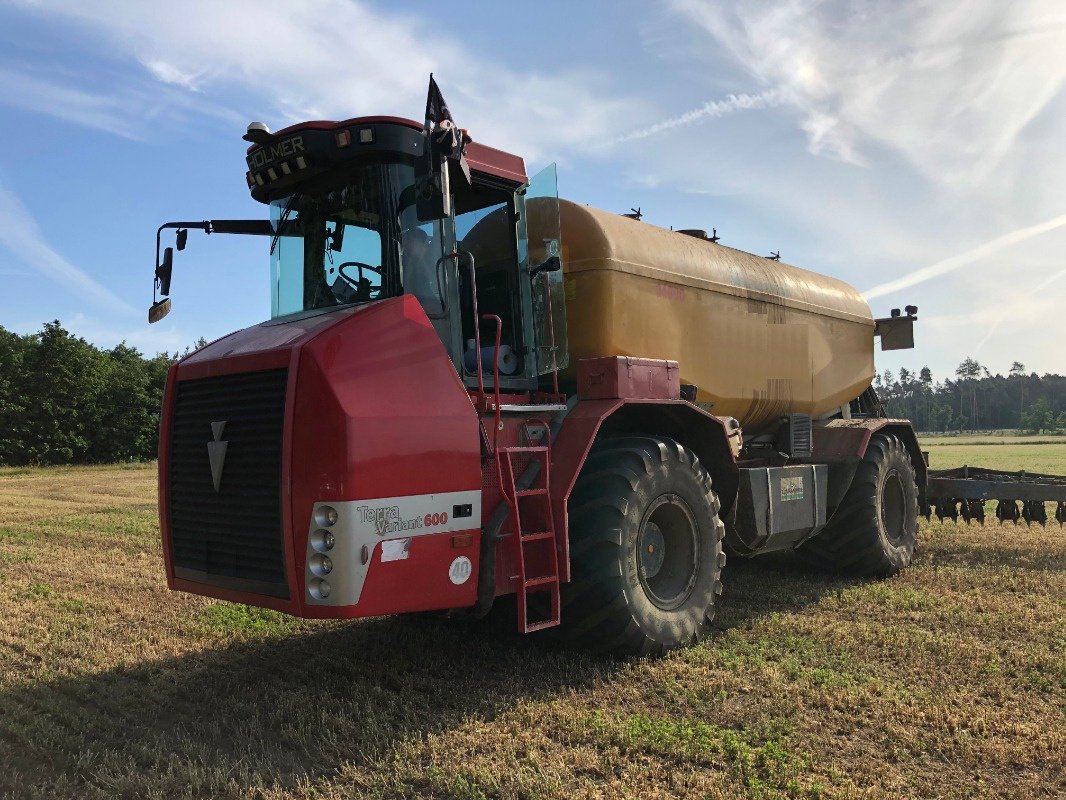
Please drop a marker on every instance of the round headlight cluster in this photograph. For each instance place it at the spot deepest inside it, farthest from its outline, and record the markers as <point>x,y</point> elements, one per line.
<point>322,541</point>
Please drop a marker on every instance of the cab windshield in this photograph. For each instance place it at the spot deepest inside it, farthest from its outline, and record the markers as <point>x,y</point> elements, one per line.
<point>353,243</point>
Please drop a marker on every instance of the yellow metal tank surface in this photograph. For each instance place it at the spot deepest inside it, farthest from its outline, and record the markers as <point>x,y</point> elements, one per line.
<point>758,338</point>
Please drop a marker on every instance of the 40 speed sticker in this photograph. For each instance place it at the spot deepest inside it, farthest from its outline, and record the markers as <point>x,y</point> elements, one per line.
<point>460,570</point>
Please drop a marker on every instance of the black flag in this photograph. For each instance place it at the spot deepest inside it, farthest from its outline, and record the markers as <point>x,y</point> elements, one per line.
<point>449,140</point>
<point>436,109</point>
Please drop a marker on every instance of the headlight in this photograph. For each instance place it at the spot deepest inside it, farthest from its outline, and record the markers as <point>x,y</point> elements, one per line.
<point>321,565</point>
<point>326,516</point>
<point>323,540</point>
<point>319,589</point>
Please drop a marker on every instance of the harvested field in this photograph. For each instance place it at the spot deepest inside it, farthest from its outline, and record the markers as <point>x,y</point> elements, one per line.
<point>946,681</point>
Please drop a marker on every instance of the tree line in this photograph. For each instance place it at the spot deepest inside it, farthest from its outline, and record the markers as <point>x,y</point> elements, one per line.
<point>975,399</point>
<point>65,401</point>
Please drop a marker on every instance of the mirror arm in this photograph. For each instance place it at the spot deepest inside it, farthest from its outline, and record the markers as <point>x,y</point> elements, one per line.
<point>253,227</point>
<point>550,264</point>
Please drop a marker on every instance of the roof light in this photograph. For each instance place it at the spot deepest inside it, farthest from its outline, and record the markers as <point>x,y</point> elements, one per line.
<point>250,179</point>
<point>344,138</point>
<point>259,179</point>
<point>301,162</point>
<point>285,168</point>
<point>272,174</point>
<point>366,135</point>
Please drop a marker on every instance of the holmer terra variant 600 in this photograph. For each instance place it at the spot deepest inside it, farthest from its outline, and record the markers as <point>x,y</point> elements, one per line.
<point>469,388</point>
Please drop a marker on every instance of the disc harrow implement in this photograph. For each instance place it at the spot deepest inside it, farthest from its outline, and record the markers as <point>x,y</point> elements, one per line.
<point>960,494</point>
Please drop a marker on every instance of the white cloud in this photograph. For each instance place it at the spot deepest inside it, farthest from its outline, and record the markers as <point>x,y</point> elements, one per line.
<point>124,109</point>
<point>168,73</point>
<point>347,59</point>
<point>43,95</point>
<point>22,237</point>
<point>948,86</point>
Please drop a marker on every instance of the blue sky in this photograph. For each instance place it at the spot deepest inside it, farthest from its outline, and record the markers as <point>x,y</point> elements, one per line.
<point>913,149</point>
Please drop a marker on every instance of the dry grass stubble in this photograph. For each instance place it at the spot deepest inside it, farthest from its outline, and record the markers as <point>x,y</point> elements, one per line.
<point>946,681</point>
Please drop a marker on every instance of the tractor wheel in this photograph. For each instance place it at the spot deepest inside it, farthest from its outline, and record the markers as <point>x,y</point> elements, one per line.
<point>646,549</point>
<point>875,527</point>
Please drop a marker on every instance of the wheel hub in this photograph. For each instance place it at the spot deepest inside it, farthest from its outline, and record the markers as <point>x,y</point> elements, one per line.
<point>652,550</point>
<point>668,552</point>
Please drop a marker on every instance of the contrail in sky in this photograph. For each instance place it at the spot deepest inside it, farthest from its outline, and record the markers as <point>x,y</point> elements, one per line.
<point>712,109</point>
<point>953,263</point>
<point>20,234</point>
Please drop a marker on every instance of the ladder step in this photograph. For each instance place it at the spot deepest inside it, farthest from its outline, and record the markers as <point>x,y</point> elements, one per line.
<point>524,449</point>
<point>539,626</point>
<point>538,536</point>
<point>543,580</point>
<point>530,492</point>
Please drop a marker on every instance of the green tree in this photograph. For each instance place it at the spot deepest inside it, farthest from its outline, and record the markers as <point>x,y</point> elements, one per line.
<point>1039,417</point>
<point>61,383</point>
<point>12,405</point>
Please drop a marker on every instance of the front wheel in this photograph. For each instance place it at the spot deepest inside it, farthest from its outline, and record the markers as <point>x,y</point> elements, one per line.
<point>646,548</point>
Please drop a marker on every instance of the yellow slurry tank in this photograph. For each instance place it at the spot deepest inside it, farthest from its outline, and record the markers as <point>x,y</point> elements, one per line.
<point>758,338</point>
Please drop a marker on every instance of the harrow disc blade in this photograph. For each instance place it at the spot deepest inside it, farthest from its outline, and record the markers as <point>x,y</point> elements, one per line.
<point>1007,511</point>
<point>1035,511</point>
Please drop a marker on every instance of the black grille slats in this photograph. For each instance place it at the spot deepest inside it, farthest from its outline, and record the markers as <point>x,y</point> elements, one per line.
<point>232,537</point>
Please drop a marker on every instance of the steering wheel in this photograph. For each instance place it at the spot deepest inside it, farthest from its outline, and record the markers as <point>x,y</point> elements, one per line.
<point>361,286</point>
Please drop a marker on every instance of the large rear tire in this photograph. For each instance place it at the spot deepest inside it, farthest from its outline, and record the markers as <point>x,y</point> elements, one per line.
<point>646,548</point>
<point>874,530</point>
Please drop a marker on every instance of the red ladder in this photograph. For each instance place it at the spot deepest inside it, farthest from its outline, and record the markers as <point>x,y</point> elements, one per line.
<point>534,546</point>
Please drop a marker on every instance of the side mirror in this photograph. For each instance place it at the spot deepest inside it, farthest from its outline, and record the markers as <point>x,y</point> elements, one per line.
<point>550,264</point>
<point>164,270</point>
<point>182,238</point>
<point>158,310</point>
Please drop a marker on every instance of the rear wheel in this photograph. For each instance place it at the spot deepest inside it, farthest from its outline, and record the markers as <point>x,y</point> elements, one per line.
<point>646,548</point>
<point>874,529</point>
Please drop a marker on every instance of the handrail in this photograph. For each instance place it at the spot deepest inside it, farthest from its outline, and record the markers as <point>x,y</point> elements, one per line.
<point>457,254</point>
<point>495,374</point>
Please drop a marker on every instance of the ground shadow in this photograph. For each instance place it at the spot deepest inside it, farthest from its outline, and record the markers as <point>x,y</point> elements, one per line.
<point>763,585</point>
<point>288,709</point>
<point>275,710</point>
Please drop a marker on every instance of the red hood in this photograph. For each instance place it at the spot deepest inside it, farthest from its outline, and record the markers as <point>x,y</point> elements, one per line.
<point>271,338</point>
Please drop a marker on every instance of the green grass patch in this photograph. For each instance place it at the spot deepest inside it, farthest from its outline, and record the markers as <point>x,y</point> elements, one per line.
<point>758,757</point>
<point>231,618</point>
<point>38,591</point>
<point>12,534</point>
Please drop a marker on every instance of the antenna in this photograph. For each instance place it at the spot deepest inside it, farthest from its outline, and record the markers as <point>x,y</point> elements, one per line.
<point>775,255</point>
<point>714,237</point>
<point>634,213</point>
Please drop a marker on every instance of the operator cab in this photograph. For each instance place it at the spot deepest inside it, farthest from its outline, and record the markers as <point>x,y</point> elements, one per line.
<point>354,221</point>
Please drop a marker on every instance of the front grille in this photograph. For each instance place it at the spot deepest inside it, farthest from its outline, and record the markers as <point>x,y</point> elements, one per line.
<point>232,537</point>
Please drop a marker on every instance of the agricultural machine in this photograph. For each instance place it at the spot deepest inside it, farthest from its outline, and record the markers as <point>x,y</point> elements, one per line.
<point>469,388</point>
